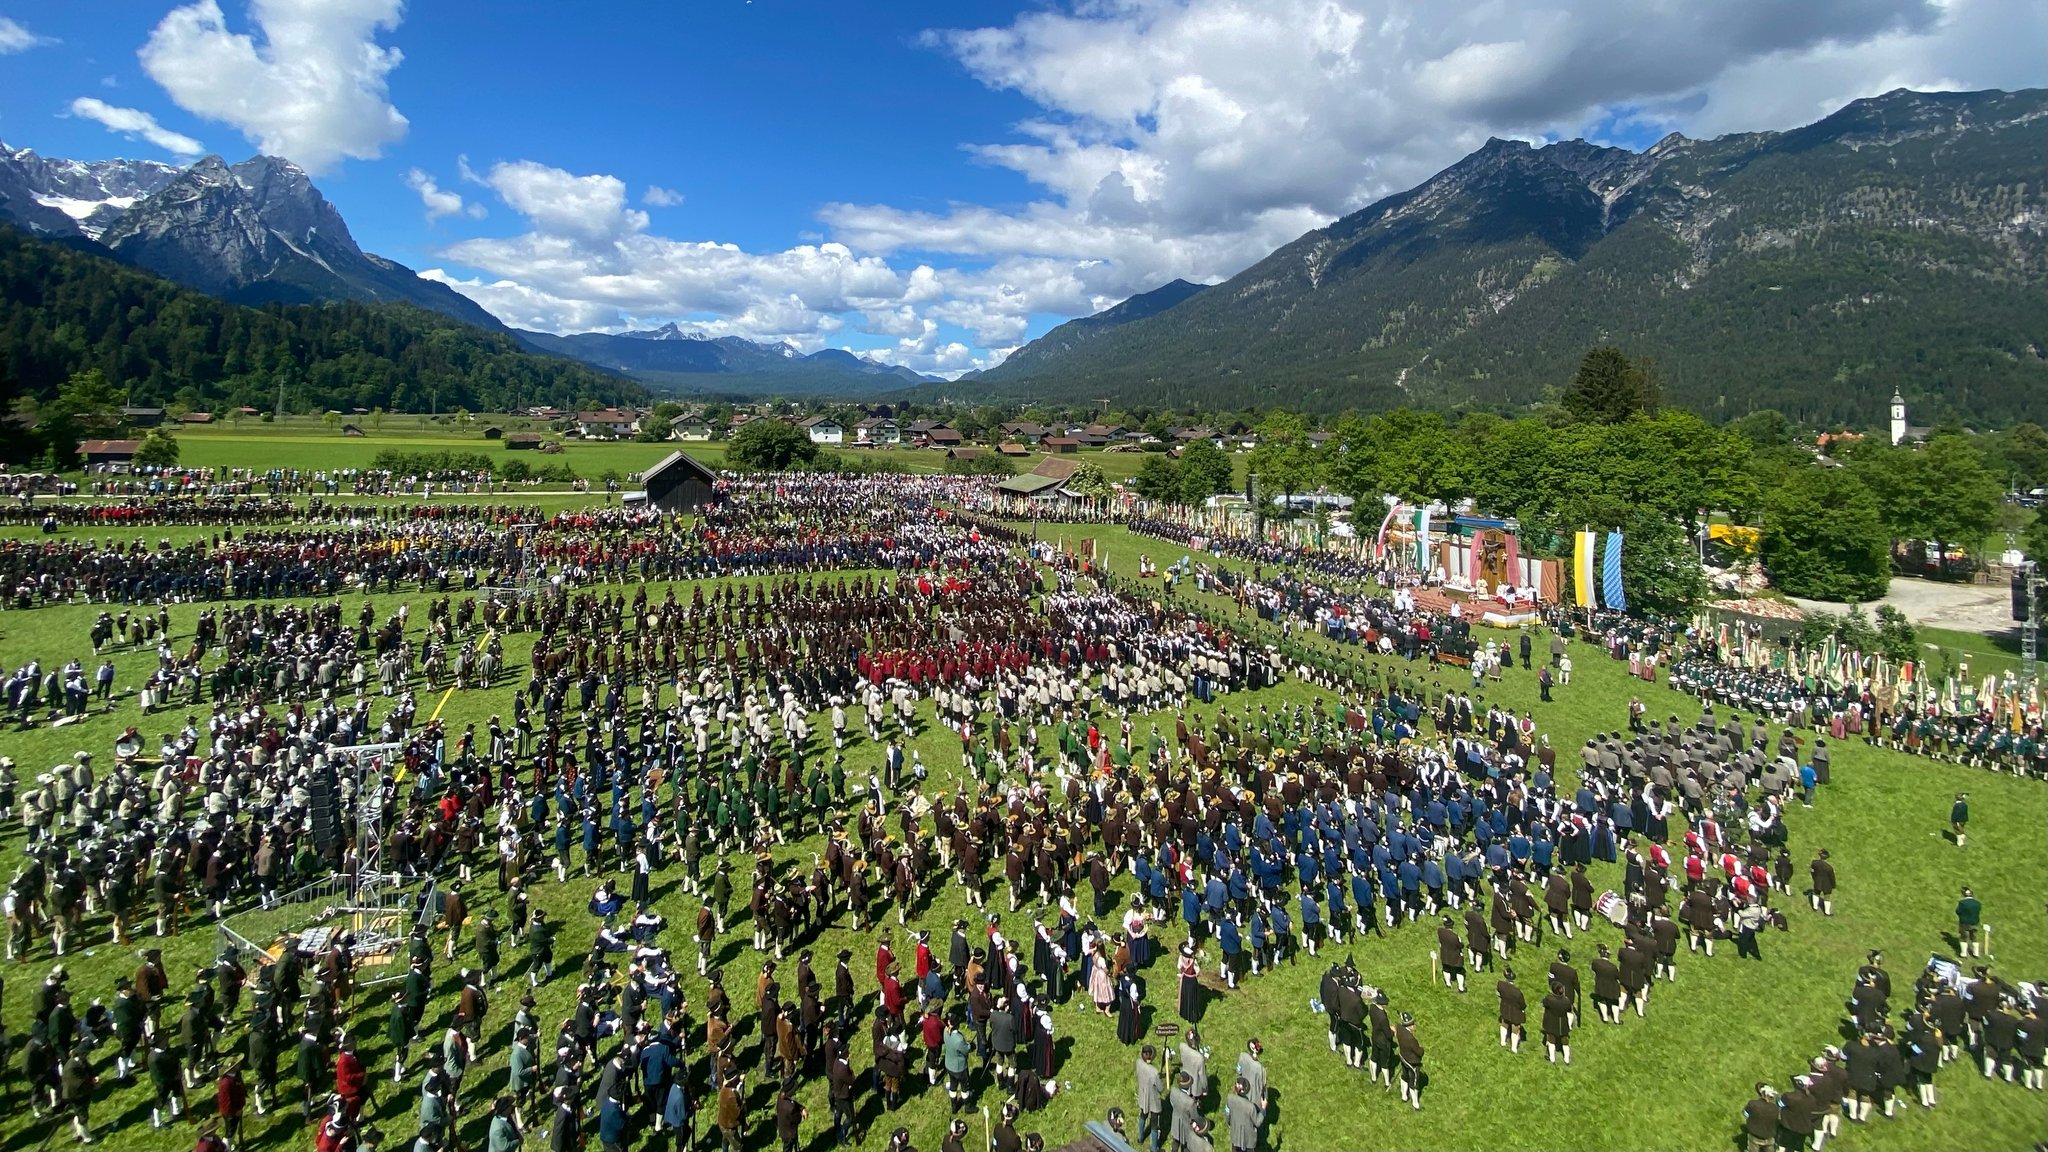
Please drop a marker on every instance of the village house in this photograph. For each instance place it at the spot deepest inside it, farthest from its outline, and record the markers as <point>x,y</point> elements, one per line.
<point>823,430</point>
<point>608,424</point>
<point>690,428</point>
<point>877,430</point>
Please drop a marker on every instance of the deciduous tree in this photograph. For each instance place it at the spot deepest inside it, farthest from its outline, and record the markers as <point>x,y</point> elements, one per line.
<point>771,446</point>
<point>159,449</point>
<point>1824,538</point>
<point>1158,478</point>
<point>1204,471</point>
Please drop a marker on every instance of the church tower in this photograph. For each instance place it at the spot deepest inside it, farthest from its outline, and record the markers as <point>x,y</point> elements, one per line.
<point>1898,418</point>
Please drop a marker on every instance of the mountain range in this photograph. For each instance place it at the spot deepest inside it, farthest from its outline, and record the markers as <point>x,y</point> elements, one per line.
<point>1900,243</point>
<point>678,358</point>
<point>260,232</point>
<point>253,233</point>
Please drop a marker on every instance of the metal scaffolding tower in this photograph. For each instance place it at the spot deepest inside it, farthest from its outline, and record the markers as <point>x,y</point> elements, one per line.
<point>370,765</point>
<point>2030,631</point>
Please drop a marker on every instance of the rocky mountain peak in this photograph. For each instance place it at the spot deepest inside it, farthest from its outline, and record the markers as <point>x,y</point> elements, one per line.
<point>252,232</point>
<point>286,200</point>
<point>74,197</point>
<point>668,331</point>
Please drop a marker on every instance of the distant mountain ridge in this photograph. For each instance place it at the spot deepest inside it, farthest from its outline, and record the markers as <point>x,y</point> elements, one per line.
<point>674,356</point>
<point>1901,242</point>
<point>254,232</point>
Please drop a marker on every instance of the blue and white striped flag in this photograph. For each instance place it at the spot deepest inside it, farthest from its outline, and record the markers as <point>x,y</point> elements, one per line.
<point>1610,574</point>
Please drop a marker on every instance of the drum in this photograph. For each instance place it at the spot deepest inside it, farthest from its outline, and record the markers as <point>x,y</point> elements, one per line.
<point>1613,906</point>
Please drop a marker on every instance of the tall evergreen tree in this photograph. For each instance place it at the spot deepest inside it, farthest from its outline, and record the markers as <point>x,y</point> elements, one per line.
<point>1609,387</point>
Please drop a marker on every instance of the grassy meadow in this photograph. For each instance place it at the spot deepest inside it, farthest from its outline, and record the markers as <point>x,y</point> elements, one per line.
<point>307,443</point>
<point>1675,1080</point>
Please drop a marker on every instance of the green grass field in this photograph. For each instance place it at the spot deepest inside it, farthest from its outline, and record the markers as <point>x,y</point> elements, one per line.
<point>1984,654</point>
<point>304,443</point>
<point>1673,1081</point>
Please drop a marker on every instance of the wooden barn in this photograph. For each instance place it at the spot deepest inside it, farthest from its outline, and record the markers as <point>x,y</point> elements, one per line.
<point>680,483</point>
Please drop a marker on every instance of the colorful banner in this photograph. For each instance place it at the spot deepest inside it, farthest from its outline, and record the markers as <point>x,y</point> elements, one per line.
<point>1422,541</point>
<point>1610,574</point>
<point>1582,571</point>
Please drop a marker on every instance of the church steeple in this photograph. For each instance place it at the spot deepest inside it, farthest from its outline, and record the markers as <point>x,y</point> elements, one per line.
<point>1898,418</point>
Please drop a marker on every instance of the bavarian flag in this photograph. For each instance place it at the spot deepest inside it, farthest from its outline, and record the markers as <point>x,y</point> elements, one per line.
<point>1610,573</point>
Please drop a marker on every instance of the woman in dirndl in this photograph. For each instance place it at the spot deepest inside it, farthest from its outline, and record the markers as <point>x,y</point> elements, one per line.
<point>1193,997</point>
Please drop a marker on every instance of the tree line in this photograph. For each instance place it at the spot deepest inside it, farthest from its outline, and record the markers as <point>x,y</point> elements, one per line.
<point>1610,458</point>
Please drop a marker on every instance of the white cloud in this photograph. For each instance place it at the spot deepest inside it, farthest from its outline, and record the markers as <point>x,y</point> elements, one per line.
<point>439,201</point>
<point>928,351</point>
<point>531,308</point>
<point>16,38</point>
<point>660,197</point>
<point>136,124</point>
<point>587,261</point>
<point>1975,44</point>
<point>588,208</point>
<point>312,87</point>
<point>1189,138</point>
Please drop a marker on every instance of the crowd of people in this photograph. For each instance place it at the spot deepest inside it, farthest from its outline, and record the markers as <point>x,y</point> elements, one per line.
<point>155,511</point>
<point>1352,566</point>
<point>725,779</point>
<point>1982,733</point>
<point>1884,1063</point>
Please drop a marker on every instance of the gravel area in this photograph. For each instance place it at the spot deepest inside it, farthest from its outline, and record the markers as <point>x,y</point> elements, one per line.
<point>1965,607</point>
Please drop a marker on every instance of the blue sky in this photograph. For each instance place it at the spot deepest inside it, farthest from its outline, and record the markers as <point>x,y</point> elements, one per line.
<point>932,183</point>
